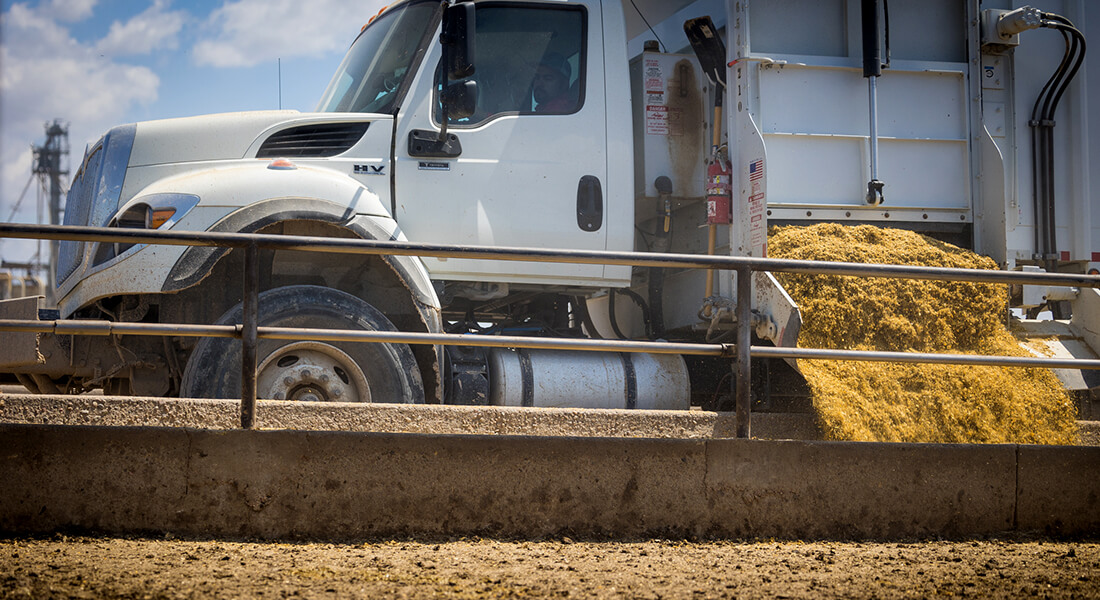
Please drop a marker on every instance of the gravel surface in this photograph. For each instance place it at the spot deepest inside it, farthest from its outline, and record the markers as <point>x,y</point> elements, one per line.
<point>103,567</point>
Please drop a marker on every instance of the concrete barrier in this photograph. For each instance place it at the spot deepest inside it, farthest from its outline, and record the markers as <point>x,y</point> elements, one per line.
<point>396,418</point>
<point>1058,489</point>
<point>851,490</point>
<point>346,485</point>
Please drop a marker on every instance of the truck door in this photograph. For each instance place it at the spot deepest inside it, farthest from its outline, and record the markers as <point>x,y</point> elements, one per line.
<point>532,170</point>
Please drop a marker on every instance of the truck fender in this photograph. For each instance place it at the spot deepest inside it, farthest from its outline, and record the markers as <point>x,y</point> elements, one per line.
<point>196,262</point>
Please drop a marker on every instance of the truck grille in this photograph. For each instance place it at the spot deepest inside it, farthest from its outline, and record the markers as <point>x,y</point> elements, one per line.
<point>328,139</point>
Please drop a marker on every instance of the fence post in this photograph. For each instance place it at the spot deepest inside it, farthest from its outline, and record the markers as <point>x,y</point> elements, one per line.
<point>249,318</point>
<point>744,342</point>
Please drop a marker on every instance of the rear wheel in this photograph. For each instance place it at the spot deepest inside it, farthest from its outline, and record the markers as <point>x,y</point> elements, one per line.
<point>308,370</point>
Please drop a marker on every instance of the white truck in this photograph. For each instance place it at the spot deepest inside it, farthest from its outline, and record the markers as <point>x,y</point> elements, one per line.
<point>587,124</point>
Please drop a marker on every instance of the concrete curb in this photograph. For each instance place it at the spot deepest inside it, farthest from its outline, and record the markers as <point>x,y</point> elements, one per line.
<point>342,485</point>
<point>396,418</point>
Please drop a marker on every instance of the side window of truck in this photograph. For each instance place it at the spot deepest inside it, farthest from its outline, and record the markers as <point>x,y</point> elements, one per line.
<point>530,60</point>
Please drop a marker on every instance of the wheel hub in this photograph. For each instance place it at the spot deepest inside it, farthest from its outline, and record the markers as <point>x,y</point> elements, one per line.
<point>312,372</point>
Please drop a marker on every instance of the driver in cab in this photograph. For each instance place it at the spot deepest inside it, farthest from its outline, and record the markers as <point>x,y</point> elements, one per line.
<point>550,89</point>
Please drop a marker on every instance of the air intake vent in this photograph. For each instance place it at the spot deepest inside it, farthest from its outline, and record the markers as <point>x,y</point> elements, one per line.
<point>327,139</point>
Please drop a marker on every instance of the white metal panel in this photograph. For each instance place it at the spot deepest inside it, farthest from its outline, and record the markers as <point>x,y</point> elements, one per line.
<point>805,99</point>
<point>751,163</point>
<point>1076,145</point>
<point>799,27</point>
<point>815,125</point>
<point>814,114</point>
<point>515,183</point>
<point>927,30</point>
<point>670,133</point>
<point>809,170</point>
<point>206,137</point>
<point>922,104</point>
<point>1089,17</point>
<point>926,174</point>
<point>619,187</point>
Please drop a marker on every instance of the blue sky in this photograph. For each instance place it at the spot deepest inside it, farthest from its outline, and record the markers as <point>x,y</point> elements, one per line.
<point>95,64</point>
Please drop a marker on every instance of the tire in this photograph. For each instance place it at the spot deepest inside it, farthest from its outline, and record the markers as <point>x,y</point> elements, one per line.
<point>308,370</point>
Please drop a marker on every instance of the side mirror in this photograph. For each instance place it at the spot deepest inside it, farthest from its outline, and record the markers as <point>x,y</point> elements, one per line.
<point>457,38</point>
<point>460,99</point>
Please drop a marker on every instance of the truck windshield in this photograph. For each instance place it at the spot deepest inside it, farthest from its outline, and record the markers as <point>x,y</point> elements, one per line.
<point>372,75</point>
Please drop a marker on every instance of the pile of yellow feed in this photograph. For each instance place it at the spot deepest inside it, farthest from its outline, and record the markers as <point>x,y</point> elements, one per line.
<point>877,401</point>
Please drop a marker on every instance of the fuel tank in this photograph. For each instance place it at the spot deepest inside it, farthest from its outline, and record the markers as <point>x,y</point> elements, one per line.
<point>570,379</point>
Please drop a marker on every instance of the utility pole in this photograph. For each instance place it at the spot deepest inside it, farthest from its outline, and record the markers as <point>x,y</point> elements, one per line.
<point>48,167</point>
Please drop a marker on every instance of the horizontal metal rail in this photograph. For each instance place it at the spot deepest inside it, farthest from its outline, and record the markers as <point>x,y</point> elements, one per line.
<point>249,331</point>
<point>104,328</point>
<point>603,257</point>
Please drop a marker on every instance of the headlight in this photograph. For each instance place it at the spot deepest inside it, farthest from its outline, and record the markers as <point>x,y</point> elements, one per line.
<point>155,211</point>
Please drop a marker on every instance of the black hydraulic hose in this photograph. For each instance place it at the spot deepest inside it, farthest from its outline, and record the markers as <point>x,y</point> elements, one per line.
<point>1057,85</point>
<point>1042,136</point>
<point>1075,48</point>
<point>1035,197</point>
<point>611,314</point>
<point>1047,134</point>
<point>1042,161</point>
<point>1076,43</point>
<point>637,300</point>
<point>1055,79</point>
<point>646,318</point>
<point>1050,98</point>
<point>657,301</point>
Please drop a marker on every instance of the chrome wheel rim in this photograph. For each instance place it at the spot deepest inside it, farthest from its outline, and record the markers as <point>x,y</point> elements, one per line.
<point>312,372</point>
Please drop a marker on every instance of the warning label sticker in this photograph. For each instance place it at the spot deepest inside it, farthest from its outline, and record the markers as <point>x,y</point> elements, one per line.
<point>656,120</point>
<point>757,208</point>
<point>654,77</point>
<point>758,231</point>
<point>663,120</point>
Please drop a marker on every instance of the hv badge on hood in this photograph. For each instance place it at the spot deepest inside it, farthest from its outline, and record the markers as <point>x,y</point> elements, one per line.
<point>369,169</point>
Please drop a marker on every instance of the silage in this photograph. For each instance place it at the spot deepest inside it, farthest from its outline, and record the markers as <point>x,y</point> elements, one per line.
<point>874,401</point>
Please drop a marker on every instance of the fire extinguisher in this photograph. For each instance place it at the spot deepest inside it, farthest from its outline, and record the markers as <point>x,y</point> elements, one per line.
<point>718,191</point>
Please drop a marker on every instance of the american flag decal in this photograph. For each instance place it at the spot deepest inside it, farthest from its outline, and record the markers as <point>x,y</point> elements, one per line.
<point>756,169</point>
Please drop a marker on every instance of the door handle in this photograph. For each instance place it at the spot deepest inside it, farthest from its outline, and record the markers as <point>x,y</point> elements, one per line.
<point>589,203</point>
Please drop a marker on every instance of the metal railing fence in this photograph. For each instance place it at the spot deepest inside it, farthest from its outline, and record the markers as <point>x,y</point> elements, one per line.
<point>741,350</point>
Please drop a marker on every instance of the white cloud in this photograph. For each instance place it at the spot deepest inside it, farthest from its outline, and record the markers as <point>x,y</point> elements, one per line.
<point>47,74</point>
<point>69,11</point>
<point>153,29</point>
<point>249,32</point>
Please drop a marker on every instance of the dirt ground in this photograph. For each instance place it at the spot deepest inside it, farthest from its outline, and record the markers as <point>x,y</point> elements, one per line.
<point>103,567</point>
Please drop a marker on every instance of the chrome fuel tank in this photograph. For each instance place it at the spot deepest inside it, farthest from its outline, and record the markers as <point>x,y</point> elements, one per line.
<point>564,379</point>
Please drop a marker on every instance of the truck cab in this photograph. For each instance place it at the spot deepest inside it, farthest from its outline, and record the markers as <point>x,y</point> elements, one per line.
<point>518,172</point>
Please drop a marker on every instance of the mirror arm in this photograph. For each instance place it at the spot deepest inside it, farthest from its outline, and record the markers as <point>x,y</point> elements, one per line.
<point>443,121</point>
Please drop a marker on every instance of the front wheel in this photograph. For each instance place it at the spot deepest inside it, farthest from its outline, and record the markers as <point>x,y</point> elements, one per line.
<point>308,370</point>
